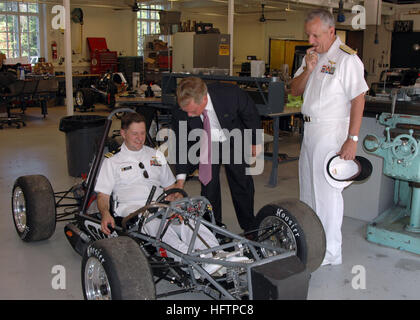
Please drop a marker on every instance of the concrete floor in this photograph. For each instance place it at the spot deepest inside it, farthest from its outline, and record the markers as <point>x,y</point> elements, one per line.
<point>27,270</point>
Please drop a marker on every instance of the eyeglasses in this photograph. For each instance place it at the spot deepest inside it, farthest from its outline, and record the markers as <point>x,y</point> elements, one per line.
<point>145,174</point>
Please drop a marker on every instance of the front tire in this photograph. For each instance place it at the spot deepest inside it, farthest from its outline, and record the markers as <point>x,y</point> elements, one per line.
<point>298,229</point>
<point>117,269</point>
<point>33,208</point>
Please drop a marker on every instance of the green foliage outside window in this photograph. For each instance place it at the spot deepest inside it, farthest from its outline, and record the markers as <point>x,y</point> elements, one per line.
<point>19,29</point>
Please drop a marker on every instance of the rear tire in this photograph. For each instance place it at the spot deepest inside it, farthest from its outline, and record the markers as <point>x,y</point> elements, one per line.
<point>84,98</point>
<point>300,230</point>
<point>117,269</point>
<point>33,208</point>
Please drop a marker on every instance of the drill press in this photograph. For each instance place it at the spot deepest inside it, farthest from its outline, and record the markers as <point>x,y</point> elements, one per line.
<point>399,226</point>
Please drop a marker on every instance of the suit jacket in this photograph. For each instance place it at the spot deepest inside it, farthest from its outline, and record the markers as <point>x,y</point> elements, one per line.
<point>234,109</point>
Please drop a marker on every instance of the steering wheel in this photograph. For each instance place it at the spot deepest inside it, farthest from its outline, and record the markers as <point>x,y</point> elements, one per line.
<point>159,203</point>
<point>162,196</point>
<point>404,147</point>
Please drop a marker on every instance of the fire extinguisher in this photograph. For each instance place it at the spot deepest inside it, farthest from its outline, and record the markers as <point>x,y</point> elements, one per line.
<point>54,50</point>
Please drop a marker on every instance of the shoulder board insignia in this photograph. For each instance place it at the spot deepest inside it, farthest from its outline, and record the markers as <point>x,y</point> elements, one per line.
<point>112,153</point>
<point>347,49</point>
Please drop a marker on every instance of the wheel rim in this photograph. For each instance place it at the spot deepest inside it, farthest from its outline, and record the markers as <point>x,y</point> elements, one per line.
<point>96,282</point>
<point>19,209</point>
<point>282,238</point>
<point>79,98</point>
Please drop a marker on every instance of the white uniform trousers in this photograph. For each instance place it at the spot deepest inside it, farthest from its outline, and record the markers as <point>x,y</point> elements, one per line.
<point>179,236</point>
<point>319,139</point>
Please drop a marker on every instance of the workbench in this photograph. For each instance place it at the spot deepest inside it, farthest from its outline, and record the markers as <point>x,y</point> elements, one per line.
<point>375,107</point>
<point>133,100</point>
<point>33,91</point>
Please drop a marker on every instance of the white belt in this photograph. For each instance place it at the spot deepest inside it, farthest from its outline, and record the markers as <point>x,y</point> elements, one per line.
<point>319,120</point>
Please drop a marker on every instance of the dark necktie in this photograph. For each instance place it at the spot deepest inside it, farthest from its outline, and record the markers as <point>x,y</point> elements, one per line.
<point>204,169</point>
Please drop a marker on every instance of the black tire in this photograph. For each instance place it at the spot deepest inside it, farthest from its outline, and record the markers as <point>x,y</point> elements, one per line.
<point>123,268</point>
<point>300,230</point>
<point>84,98</point>
<point>33,208</point>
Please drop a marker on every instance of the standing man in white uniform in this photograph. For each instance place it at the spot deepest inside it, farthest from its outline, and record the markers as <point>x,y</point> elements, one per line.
<point>130,174</point>
<point>331,79</point>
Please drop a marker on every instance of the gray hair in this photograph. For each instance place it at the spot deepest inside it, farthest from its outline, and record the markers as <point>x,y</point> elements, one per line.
<point>191,88</point>
<point>324,15</point>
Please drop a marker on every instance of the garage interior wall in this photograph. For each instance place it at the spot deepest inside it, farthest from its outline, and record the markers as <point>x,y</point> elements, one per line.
<point>251,37</point>
<point>117,27</point>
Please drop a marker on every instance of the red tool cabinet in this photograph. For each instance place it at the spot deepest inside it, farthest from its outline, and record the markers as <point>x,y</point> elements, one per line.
<point>102,60</point>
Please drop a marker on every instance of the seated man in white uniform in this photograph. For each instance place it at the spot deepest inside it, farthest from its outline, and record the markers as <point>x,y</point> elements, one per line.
<point>130,174</point>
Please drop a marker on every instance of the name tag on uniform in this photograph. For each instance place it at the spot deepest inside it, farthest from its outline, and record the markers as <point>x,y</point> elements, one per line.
<point>126,168</point>
<point>328,68</point>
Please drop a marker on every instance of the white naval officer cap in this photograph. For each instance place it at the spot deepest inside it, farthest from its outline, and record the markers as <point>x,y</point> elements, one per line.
<point>341,173</point>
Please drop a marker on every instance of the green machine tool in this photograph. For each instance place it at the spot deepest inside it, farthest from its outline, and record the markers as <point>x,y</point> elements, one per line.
<point>399,226</point>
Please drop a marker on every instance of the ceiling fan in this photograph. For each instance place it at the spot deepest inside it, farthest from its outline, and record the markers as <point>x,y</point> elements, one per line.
<point>135,6</point>
<point>264,19</point>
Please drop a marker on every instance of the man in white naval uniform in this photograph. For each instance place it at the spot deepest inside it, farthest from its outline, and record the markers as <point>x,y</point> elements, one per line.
<point>130,174</point>
<point>331,79</point>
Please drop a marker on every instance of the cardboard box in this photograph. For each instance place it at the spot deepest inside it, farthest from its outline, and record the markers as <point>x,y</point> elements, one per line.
<point>159,45</point>
<point>44,68</point>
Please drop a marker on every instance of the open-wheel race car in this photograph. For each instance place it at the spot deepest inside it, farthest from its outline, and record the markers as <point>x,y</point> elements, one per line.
<point>102,90</point>
<point>289,243</point>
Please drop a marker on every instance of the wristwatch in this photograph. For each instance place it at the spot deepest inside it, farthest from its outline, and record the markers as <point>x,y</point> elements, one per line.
<point>354,138</point>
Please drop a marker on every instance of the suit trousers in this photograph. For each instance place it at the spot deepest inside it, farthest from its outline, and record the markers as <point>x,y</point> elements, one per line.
<point>241,188</point>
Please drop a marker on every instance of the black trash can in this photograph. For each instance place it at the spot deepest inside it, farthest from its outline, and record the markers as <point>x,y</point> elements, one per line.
<point>83,135</point>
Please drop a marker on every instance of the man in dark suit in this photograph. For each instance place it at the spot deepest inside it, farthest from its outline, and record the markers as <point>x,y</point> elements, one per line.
<point>228,109</point>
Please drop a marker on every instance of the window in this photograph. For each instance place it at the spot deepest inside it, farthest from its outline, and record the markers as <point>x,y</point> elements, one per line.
<point>147,23</point>
<point>19,29</point>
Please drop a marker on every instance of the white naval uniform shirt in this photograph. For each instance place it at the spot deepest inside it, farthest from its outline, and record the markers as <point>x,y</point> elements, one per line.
<point>122,176</point>
<point>337,79</point>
